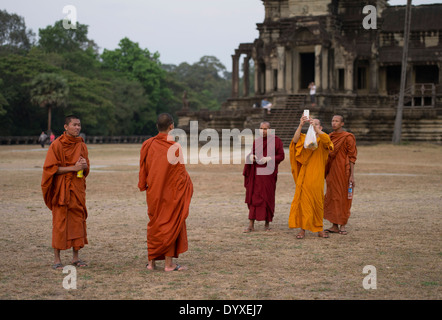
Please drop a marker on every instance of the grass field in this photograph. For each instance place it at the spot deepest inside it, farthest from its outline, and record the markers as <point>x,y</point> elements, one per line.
<point>394,226</point>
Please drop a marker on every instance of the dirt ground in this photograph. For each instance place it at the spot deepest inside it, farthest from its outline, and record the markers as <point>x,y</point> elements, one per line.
<point>394,227</point>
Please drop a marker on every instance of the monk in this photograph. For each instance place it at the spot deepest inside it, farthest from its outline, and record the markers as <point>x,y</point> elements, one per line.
<point>169,191</point>
<point>64,191</point>
<point>267,153</point>
<point>308,167</point>
<point>339,175</point>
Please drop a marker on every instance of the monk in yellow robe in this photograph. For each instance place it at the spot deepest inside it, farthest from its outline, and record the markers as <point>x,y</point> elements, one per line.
<point>339,175</point>
<point>169,190</point>
<point>308,167</point>
<point>64,191</point>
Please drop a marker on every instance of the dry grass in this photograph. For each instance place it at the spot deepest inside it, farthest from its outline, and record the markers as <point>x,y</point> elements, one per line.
<point>395,226</point>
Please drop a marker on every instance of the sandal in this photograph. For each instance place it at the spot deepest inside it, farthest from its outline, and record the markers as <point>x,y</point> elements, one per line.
<point>57,266</point>
<point>343,232</point>
<point>79,264</point>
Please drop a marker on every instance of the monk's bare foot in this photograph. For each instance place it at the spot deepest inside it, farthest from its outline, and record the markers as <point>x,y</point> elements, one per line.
<point>323,234</point>
<point>177,267</point>
<point>248,230</point>
<point>150,266</point>
<point>343,232</point>
<point>332,230</point>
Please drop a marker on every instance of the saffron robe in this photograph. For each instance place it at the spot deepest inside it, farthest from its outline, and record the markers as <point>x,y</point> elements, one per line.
<point>169,190</point>
<point>65,194</point>
<point>336,203</point>
<point>260,188</point>
<point>308,169</point>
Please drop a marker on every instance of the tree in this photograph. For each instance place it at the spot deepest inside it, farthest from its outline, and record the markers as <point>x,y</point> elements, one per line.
<point>206,81</point>
<point>49,90</point>
<point>143,66</point>
<point>14,37</point>
<point>58,39</point>
<point>398,121</point>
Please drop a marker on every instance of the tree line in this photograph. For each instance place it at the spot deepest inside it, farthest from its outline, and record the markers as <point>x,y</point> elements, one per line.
<point>117,92</point>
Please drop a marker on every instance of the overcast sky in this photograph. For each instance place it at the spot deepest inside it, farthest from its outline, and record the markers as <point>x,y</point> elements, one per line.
<point>180,30</point>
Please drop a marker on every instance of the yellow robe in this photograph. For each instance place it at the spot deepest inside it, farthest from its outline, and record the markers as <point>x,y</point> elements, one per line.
<point>308,169</point>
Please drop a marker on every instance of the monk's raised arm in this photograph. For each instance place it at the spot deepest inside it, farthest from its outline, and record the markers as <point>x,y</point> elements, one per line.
<point>298,130</point>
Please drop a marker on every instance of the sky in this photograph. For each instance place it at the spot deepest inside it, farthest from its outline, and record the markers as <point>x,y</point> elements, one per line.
<point>179,30</point>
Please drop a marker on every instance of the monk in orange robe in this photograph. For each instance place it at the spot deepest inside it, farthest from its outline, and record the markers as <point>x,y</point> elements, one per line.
<point>169,190</point>
<point>64,191</point>
<point>308,168</point>
<point>339,174</point>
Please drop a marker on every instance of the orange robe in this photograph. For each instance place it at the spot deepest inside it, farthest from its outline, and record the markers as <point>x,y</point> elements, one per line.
<point>336,204</point>
<point>308,167</point>
<point>65,194</point>
<point>169,190</point>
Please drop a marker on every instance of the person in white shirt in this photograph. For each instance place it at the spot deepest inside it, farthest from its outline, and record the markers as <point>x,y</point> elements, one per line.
<point>312,88</point>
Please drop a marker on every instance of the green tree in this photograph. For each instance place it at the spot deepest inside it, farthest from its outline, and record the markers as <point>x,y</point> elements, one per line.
<point>140,64</point>
<point>49,90</point>
<point>206,81</point>
<point>58,39</point>
<point>14,36</point>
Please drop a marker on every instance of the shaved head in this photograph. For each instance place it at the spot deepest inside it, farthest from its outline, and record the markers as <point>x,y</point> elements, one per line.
<point>68,119</point>
<point>265,123</point>
<point>164,120</point>
<point>337,123</point>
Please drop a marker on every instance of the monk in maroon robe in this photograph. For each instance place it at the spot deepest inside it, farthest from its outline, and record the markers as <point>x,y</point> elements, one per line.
<point>260,176</point>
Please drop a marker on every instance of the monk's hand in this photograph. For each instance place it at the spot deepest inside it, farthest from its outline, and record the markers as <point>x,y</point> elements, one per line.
<point>81,163</point>
<point>303,120</point>
<point>264,160</point>
<point>252,158</point>
<point>351,180</point>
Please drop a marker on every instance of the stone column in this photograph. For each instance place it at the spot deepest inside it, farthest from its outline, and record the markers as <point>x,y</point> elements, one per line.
<point>281,68</point>
<point>374,76</point>
<point>288,71</point>
<point>255,63</point>
<point>246,82</point>
<point>324,69</point>
<point>268,78</point>
<point>349,71</point>
<point>235,76</point>
<point>318,82</point>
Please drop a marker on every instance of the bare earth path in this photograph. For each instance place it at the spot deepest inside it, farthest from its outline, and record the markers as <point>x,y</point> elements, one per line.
<point>395,227</point>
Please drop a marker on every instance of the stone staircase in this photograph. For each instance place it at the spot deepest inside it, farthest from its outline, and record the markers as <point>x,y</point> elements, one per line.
<point>285,119</point>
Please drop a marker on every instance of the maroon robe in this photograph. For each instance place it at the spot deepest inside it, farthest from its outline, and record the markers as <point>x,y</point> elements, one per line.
<point>260,188</point>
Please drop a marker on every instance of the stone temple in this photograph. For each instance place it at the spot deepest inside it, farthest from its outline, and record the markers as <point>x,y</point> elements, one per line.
<point>356,70</point>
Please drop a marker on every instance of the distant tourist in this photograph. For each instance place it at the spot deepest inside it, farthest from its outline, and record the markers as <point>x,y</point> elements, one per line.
<point>312,88</point>
<point>266,105</point>
<point>52,138</point>
<point>42,139</point>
